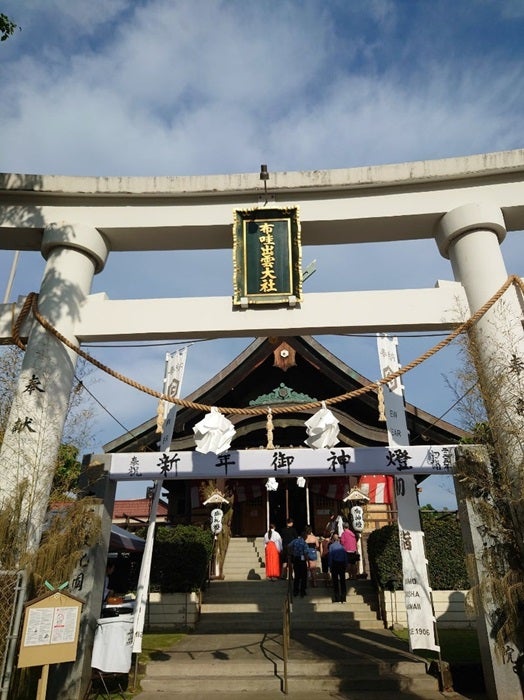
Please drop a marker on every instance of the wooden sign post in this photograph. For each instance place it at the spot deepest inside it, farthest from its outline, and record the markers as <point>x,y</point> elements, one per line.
<point>50,633</point>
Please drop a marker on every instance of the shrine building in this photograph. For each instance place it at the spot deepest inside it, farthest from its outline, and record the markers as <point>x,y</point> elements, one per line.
<point>271,372</point>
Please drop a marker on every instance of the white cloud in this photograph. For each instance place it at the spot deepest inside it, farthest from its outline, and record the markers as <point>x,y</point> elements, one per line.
<point>192,87</point>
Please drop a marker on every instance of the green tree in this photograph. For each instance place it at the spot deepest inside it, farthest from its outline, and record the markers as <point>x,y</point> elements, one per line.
<point>67,472</point>
<point>7,27</point>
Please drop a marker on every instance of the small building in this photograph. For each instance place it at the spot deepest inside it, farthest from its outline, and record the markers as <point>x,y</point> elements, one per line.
<point>133,513</point>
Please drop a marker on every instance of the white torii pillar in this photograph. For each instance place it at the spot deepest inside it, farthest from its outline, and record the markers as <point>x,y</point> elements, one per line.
<point>74,253</point>
<point>470,236</point>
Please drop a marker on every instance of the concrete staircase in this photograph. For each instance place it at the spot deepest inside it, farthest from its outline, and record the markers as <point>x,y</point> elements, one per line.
<point>245,601</point>
<point>244,559</point>
<point>337,650</point>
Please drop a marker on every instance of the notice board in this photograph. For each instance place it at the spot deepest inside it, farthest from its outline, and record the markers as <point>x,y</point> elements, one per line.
<point>50,631</point>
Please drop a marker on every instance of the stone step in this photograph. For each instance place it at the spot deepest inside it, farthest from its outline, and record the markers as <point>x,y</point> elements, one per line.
<point>350,604</point>
<point>345,610</point>
<point>254,678</point>
<point>391,682</point>
<point>298,668</point>
<point>242,565</point>
<point>272,622</point>
<point>261,603</point>
<point>248,553</point>
<point>262,684</point>
<point>196,694</point>
<point>239,543</point>
<point>219,608</point>
<point>240,624</point>
<point>210,686</point>
<point>251,575</point>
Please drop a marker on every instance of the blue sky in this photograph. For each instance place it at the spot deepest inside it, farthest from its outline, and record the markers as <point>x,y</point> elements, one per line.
<point>160,87</point>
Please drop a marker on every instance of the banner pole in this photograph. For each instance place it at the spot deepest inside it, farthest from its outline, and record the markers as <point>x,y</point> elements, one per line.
<point>174,370</point>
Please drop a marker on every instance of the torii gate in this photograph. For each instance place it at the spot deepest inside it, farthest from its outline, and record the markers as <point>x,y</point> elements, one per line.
<point>465,204</point>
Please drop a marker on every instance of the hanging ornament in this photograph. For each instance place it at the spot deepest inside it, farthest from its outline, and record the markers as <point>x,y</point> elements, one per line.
<point>322,429</point>
<point>301,482</point>
<point>213,433</point>
<point>160,417</point>
<point>269,430</point>
<point>380,397</point>
<point>271,484</point>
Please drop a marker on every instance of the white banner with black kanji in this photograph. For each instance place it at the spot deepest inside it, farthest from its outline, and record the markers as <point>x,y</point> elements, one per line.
<point>417,593</point>
<point>281,463</point>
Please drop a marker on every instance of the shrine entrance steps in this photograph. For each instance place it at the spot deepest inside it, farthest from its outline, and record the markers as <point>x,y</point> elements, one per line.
<point>337,650</point>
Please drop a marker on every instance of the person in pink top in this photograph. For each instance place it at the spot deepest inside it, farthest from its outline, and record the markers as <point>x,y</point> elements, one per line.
<point>348,540</point>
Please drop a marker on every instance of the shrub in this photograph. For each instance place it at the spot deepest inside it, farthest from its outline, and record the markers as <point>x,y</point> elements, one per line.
<point>180,558</point>
<point>384,557</point>
<point>444,552</point>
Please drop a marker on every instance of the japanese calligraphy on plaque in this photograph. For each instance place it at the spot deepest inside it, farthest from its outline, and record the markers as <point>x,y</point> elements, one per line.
<point>267,257</point>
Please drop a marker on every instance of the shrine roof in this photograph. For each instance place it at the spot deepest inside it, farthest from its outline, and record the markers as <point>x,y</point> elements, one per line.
<point>254,378</point>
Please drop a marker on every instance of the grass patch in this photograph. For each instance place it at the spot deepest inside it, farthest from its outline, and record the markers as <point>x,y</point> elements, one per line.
<point>154,646</point>
<point>456,646</point>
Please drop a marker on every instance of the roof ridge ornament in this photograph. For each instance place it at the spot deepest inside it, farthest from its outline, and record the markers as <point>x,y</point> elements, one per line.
<point>282,394</point>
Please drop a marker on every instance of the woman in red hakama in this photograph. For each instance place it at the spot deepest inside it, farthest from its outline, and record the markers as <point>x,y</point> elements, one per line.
<point>273,547</point>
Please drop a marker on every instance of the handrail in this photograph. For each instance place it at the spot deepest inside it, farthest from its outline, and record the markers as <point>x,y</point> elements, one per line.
<point>206,579</point>
<point>286,634</point>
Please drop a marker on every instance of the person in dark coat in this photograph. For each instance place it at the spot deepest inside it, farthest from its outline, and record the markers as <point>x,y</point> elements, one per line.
<point>337,561</point>
<point>288,535</point>
<point>299,551</point>
<point>331,526</point>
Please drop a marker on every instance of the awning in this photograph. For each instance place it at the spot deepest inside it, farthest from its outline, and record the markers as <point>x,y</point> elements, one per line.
<point>123,541</point>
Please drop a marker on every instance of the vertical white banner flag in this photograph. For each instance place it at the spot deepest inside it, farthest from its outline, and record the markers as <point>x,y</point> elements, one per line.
<point>174,372</point>
<point>175,365</point>
<point>417,592</point>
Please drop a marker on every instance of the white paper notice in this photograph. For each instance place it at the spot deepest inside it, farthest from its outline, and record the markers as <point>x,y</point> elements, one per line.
<point>51,626</point>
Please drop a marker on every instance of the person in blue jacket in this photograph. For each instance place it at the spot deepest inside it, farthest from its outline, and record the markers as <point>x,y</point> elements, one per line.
<point>299,552</point>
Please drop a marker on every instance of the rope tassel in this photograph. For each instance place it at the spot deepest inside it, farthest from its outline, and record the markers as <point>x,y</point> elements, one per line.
<point>269,430</point>
<point>380,396</point>
<point>160,417</point>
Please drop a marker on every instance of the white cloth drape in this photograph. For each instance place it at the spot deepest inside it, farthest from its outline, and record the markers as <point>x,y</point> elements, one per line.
<point>213,433</point>
<point>322,429</point>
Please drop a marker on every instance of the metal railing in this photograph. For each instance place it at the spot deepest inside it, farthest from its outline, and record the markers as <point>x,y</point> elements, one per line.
<point>286,636</point>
